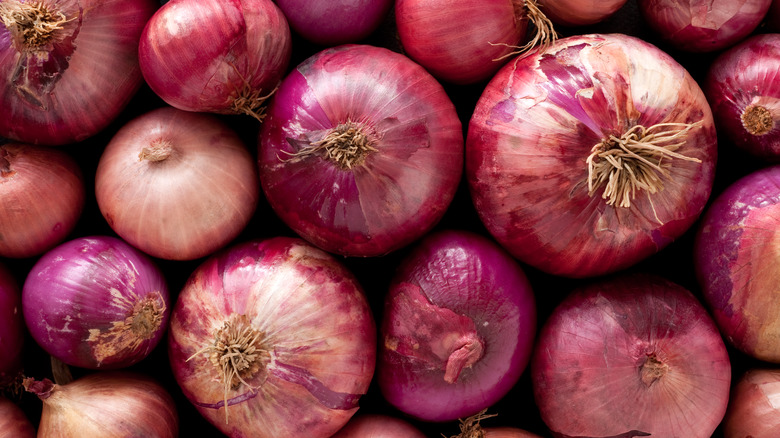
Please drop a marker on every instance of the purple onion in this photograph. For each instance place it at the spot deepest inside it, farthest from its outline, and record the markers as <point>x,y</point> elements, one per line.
<point>329,22</point>
<point>96,302</point>
<point>11,328</point>
<point>13,421</point>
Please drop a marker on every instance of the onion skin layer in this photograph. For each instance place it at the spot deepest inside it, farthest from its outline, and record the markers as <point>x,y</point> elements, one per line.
<point>754,410</point>
<point>579,12</point>
<point>629,356</point>
<point>334,22</point>
<point>378,426</point>
<point>314,324</point>
<point>736,262</point>
<point>536,124</point>
<point>12,330</point>
<point>13,421</point>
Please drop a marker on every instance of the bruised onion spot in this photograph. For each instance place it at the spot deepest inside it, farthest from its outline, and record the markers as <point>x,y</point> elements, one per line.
<point>32,25</point>
<point>652,370</point>
<point>158,150</point>
<point>757,120</point>
<point>347,145</point>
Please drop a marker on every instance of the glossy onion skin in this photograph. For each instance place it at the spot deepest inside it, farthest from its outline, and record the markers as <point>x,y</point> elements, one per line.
<point>401,190</point>
<point>378,426</point>
<point>587,365</point>
<point>95,73</point>
<point>43,197</point>
<point>753,407</point>
<point>533,129</point>
<point>467,285</point>
<point>747,74</point>
<point>736,262</point>
<point>703,25</point>
<point>13,421</point>
<point>321,334</point>
<point>331,22</point>
<point>12,329</point>
<point>579,12</point>
<point>188,205</point>
<point>198,55</point>
<point>79,300</point>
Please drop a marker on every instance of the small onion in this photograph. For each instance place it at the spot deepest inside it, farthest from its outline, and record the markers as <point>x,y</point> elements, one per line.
<point>591,156</point>
<point>177,185</point>
<point>106,404</point>
<point>378,426</point>
<point>362,150</point>
<point>743,89</point>
<point>754,406</point>
<point>631,356</point>
<point>458,327</point>
<point>69,67</point>
<point>43,197</point>
<point>11,329</point>
<point>579,12</point>
<point>472,428</point>
<point>330,23</point>
<point>13,421</point>
<point>273,338</point>
<point>216,56</point>
<point>96,302</point>
<point>735,257</point>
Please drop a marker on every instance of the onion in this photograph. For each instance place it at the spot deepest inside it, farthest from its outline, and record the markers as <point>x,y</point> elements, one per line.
<point>96,302</point>
<point>435,34</point>
<point>13,421</point>
<point>69,76</point>
<point>579,12</point>
<point>735,261</point>
<point>703,25</point>
<point>177,185</point>
<point>216,56</point>
<point>273,338</point>
<point>378,426</point>
<point>754,410</point>
<point>458,327</point>
<point>546,139</point>
<point>330,23</point>
<point>362,151</point>
<point>743,90</point>
<point>472,428</point>
<point>43,197</point>
<point>635,355</point>
<point>11,329</point>
<point>106,404</point>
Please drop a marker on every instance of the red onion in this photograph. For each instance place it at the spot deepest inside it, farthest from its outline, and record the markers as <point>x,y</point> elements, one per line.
<point>329,23</point>
<point>631,356</point>
<point>96,302</point>
<point>378,426</point>
<point>703,25</point>
<point>458,327</point>
<point>273,338</point>
<point>106,404</point>
<point>216,56</point>
<point>742,88</point>
<point>472,428</point>
<point>70,76</point>
<point>734,257</point>
<point>13,421</point>
<point>43,198</point>
<point>362,151</point>
<point>579,12</point>
<point>754,406</point>
<point>547,139</point>
<point>170,158</point>
<point>11,329</point>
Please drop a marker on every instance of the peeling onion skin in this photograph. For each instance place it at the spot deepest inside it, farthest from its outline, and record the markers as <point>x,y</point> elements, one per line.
<point>314,324</point>
<point>43,197</point>
<point>13,421</point>
<point>753,408</point>
<point>399,191</point>
<point>93,68</point>
<point>736,263</point>
<point>12,331</point>
<point>703,25</point>
<point>331,22</point>
<point>533,129</point>
<point>378,426</point>
<point>629,356</point>
<point>742,88</point>
<point>579,12</point>
<point>455,292</point>
<point>96,302</point>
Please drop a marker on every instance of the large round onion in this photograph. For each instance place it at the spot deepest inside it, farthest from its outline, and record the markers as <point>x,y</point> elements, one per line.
<point>579,12</point>
<point>273,338</point>
<point>378,426</point>
<point>330,23</point>
<point>68,67</point>
<point>96,302</point>
<point>631,356</point>
<point>13,421</point>
<point>736,262</point>
<point>458,327</point>
<point>12,330</point>
<point>754,410</point>
<point>362,150</point>
<point>591,156</point>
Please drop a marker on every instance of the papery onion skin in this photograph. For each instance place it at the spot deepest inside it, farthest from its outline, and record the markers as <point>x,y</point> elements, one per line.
<point>195,189</point>
<point>735,258</point>
<point>96,302</point>
<point>580,12</point>
<point>378,426</point>
<point>211,55</point>
<point>106,404</point>
<point>742,88</point>
<point>629,356</point>
<point>535,126</point>
<point>330,23</point>
<point>316,339</point>
<point>79,87</point>
<point>703,25</point>
<point>13,421</point>
<point>43,197</point>
<point>458,327</point>
<point>753,407</point>
<point>12,331</point>
<point>390,196</point>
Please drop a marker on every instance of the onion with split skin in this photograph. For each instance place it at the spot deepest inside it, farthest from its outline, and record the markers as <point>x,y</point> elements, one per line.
<point>754,406</point>
<point>13,421</point>
<point>12,330</point>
